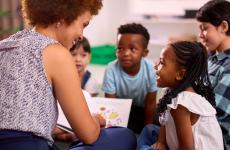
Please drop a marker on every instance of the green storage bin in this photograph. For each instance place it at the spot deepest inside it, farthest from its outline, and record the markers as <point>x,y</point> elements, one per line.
<point>103,54</point>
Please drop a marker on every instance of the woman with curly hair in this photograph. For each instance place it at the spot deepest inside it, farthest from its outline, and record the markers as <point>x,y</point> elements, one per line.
<point>37,70</point>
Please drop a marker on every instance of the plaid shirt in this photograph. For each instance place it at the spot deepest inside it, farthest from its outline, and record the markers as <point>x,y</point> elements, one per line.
<point>219,72</point>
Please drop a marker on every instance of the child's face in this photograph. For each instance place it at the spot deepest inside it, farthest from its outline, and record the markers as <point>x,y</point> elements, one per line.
<point>81,58</point>
<point>211,36</point>
<point>167,69</point>
<point>130,50</point>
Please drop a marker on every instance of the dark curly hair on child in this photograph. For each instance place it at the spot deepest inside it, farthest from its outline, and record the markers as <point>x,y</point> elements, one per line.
<point>47,12</point>
<point>214,12</point>
<point>135,28</point>
<point>193,57</point>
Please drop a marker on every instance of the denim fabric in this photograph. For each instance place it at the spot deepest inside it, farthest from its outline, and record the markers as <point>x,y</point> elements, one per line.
<point>115,138</point>
<point>18,140</point>
<point>148,137</point>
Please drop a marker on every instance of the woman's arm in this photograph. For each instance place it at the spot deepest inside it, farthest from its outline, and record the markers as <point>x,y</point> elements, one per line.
<point>150,107</point>
<point>62,74</point>
<point>181,117</point>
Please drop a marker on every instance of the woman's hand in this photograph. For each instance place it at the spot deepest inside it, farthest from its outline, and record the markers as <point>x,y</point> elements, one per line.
<point>99,119</point>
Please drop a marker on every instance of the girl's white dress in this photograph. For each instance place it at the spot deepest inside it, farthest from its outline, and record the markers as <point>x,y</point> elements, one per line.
<point>207,133</point>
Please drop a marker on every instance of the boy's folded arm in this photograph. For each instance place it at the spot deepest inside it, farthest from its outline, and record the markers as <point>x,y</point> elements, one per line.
<point>150,107</point>
<point>110,95</point>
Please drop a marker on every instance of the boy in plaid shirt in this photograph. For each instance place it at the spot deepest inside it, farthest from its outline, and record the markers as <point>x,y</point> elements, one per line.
<point>214,19</point>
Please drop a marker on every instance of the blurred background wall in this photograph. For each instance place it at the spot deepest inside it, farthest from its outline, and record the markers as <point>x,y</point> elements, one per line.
<point>164,19</point>
<point>10,20</point>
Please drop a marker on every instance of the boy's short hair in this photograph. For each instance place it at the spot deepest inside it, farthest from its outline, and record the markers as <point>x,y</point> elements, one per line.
<point>135,28</point>
<point>214,12</point>
<point>84,43</point>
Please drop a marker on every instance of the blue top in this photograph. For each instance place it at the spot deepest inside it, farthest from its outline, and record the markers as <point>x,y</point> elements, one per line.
<point>219,72</point>
<point>117,82</point>
<point>27,102</point>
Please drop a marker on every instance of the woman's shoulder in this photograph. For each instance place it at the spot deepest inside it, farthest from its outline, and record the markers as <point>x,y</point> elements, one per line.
<point>56,52</point>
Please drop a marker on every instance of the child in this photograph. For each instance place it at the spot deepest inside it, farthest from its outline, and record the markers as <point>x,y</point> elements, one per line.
<point>131,76</point>
<point>81,54</point>
<point>187,116</point>
<point>214,19</point>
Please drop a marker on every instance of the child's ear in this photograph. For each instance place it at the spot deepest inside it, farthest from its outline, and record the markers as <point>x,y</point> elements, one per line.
<point>224,26</point>
<point>145,53</point>
<point>181,74</point>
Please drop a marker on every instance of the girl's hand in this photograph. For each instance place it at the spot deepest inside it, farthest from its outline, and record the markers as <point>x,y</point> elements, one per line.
<point>100,120</point>
<point>159,146</point>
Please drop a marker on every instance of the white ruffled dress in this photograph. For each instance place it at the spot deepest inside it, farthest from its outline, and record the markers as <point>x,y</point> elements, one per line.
<point>207,133</point>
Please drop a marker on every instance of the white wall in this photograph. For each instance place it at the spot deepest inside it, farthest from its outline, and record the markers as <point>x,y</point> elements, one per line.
<point>103,27</point>
<point>164,7</point>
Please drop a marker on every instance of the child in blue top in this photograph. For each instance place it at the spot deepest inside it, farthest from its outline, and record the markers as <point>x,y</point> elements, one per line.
<point>132,76</point>
<point>214,19</point>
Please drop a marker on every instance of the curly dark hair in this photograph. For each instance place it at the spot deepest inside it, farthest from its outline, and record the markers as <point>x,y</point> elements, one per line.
<point>214,12</point>
<point>193,57</point>
<point>135,28</point>
<point>47,12</point>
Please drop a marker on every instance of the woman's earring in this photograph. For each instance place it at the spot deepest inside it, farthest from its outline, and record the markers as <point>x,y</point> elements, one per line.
<point>58,24</point>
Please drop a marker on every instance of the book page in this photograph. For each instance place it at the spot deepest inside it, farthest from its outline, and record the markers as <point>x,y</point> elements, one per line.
<point>115,111</point>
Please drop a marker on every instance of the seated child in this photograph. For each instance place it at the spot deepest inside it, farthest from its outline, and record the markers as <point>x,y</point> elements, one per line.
<point>187,113</point>
<point>81,54</point>
<point>132,76</point>
<point>214,33</point>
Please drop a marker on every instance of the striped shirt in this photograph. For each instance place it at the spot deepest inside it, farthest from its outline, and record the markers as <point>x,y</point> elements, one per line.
<point>219,72</point>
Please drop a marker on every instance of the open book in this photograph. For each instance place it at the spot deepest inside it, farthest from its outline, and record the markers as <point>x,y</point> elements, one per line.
<point>115,111</point>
